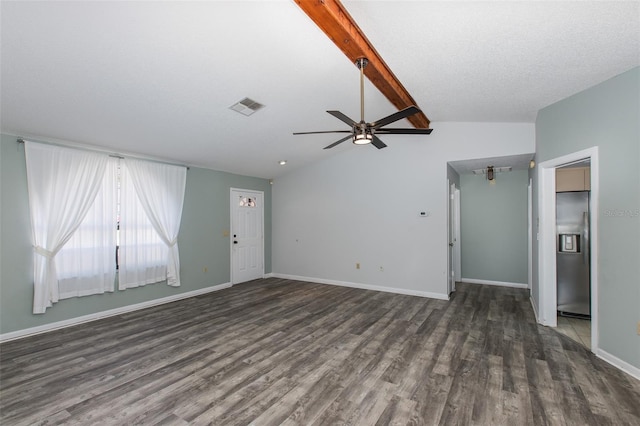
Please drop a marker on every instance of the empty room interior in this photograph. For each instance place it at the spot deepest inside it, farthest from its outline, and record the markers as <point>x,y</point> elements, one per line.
<point>320,212</point>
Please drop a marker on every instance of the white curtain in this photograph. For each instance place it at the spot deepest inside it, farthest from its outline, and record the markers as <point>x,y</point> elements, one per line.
<point>63,184</point>
<point>152,195</point>
<point>86,264</point>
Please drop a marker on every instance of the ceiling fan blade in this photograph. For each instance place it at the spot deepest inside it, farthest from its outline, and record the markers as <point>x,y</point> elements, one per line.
<point>338,142</point>
<point>377,142</point>
<point>342,117</point>
<point>404,131</point>
<point>395,117</point>
<point>323,131</point>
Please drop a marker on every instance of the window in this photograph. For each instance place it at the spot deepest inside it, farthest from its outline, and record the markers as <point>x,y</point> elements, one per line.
<point>247,201</point>
<point>142,255</point>
<point>87,206</point>
<point>85,264</point>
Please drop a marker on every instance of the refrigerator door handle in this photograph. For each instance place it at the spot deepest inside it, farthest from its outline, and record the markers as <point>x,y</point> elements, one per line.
<point>585,238</point>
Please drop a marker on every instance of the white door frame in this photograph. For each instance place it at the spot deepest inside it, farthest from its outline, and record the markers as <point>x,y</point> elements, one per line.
<point>530,235</point>
<point>453,233</point>
<point>231,205</point>
<point>457,248</point>
<point>547,281</point>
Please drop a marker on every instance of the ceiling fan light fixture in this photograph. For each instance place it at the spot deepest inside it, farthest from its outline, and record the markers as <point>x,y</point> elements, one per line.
<point>362,133</point>
<point>362,138</point>
<point>490,175</point>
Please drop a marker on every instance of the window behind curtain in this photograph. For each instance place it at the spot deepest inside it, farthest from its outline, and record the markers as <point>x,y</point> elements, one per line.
<point>114,236</point>
<point>86,263</point>
<point>142,253</point>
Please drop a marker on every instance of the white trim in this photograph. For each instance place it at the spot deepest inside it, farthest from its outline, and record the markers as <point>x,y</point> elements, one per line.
<point>618,363</point>
<point>530,234</point>
<point>364,286</point>
<point>547,237</point>
<point>535,308</point>
<point>19,334</point>
<point>450,260</point>
<point>499,283</point>
<point>458,244</point>
<point>268,275</point>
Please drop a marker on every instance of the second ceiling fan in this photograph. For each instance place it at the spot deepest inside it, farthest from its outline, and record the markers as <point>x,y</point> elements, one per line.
<point>361,132</point>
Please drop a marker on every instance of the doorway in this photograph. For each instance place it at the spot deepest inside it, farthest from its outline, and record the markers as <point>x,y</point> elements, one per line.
<point>247,236</point>
<point>547,238</point>
<point>573,253</point>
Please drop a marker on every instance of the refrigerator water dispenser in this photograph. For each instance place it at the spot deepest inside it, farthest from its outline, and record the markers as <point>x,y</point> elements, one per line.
<point>569,243</point>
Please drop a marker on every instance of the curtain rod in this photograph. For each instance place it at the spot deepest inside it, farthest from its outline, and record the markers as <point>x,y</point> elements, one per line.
<point>120,156</point>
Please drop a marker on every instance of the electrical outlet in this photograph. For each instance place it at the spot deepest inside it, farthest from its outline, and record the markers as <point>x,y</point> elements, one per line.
<point>358,265</point>
<point>205,269</point>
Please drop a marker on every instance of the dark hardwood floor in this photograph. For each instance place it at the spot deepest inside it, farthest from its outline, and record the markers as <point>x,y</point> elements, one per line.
<point>278,351</point>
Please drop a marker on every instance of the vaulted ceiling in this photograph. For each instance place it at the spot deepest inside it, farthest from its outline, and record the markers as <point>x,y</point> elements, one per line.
<point>158,78</point>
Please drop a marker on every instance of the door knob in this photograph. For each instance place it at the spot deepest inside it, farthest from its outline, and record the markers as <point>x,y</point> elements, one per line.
<point>450,244</point>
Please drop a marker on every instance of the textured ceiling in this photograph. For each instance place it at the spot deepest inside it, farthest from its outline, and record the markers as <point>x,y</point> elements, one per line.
<point>158,78</point>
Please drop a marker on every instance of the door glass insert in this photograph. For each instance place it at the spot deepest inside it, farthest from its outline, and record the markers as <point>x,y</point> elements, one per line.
<point>247,202</point>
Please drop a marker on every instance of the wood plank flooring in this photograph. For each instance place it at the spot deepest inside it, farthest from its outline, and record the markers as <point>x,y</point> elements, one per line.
<point>275,351</point>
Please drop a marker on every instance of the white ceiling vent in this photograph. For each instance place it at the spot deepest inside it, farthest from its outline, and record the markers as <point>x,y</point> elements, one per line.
<point>246,106</point>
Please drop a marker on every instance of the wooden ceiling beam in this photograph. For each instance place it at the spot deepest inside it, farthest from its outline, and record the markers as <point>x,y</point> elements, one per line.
<point>332,18</point>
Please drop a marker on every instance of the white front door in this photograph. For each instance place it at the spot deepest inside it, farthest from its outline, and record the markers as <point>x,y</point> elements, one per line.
<point>247,237</point>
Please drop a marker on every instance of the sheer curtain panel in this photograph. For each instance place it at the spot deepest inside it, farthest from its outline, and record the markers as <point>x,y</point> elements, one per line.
<point>62,184</point>
<point>159,190</point>
<point>86,263</point>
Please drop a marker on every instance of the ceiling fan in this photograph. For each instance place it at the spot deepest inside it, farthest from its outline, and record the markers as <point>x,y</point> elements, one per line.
<point>361,132</point>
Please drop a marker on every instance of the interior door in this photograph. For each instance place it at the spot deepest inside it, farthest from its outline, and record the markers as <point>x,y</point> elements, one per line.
<point>247,237</point>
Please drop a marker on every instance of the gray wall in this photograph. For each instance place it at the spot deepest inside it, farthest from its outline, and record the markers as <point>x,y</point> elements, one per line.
<point>361,205</point>
<point>607,116</point>
<point>493,227</point>
<point>205,217</point>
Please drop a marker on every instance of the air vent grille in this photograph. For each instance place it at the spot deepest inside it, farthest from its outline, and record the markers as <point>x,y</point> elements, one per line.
<point>246,106</point>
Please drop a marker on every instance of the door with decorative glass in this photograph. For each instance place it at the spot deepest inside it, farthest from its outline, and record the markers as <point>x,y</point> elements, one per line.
<point>247,236</point>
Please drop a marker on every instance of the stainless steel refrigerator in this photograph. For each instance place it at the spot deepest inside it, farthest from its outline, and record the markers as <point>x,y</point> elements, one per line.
<point>573,254</point>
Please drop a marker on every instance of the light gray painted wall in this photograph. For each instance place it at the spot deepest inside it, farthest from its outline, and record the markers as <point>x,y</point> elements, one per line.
<point>361,205</point>
<point>493,226</point>
<point>205,217</point>
<point>607,116</point>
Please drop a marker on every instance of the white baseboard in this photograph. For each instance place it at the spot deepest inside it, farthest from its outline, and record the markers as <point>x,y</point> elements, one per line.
<point>104,314</point>
<point>408,292</point>
<point>618,363</point>
<point>500,283</point>
<point>268,275</point>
